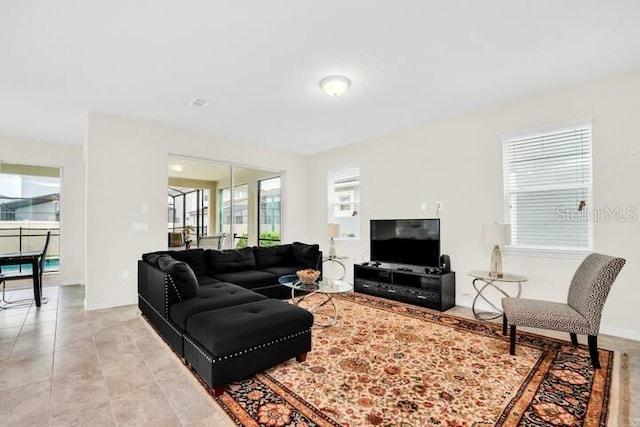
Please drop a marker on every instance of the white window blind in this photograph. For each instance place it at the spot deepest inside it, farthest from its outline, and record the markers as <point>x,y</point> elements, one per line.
<point>548,187</point>
<point>344,201</point>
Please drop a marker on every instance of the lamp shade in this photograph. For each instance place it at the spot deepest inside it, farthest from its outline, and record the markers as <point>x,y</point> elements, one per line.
<point>496,234</point>
<point>334,230</point>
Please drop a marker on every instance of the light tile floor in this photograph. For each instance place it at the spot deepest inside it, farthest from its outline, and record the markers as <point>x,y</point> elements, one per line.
<point>63,366</point>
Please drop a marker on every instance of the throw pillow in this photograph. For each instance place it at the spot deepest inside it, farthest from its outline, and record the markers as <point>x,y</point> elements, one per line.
<point>183,276</point>
<point>306,256</point>
<point>152,258</point>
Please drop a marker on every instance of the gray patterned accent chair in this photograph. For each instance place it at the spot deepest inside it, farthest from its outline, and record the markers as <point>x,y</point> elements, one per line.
<point>580,315</point>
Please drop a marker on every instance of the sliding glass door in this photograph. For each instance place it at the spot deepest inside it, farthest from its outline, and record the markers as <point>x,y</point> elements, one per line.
<point>29,207</point>
<point>247,216</point>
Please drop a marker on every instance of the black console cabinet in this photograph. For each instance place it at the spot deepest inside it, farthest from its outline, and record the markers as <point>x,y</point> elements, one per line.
<point>414,286</point>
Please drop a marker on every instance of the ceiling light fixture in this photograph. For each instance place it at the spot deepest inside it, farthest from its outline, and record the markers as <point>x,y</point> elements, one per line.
<point>335,85</point>
<point>176,167</point>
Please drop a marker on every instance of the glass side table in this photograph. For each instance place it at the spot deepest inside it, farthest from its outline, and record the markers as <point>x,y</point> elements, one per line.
<point>325,290</point>
<point>338,260</point>
<point>482,280</point>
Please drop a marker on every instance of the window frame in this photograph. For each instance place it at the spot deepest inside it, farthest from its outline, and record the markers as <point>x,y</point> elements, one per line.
<point>554,251</point>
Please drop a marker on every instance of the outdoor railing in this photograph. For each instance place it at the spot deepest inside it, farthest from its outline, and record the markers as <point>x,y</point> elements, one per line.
<point>26,239</point>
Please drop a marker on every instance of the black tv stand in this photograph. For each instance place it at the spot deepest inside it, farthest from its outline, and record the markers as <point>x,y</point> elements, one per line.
<point>412,285</point>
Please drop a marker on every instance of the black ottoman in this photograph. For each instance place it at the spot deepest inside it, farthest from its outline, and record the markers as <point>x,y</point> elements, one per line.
<point>231,343</point>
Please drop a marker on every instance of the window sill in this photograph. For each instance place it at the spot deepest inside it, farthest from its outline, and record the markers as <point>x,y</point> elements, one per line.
<point>546,252</point>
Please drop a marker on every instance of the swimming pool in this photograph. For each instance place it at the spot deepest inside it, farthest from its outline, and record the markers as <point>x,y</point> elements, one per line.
<point>52,264</point>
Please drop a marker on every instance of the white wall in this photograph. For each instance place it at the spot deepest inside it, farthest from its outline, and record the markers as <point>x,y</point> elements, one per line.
<point>459,162</point>
<point>69,158</point>
<point>126,168</point>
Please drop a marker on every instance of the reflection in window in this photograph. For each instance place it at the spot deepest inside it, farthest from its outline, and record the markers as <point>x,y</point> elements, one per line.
<point>269,213</point>
<point>188,207</point>
<point>240,211</point>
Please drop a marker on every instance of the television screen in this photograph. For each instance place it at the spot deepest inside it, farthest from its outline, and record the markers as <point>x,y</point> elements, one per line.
<point>406,241</point>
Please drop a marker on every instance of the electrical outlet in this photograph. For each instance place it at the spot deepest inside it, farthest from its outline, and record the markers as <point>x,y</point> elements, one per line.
<point>423,206</point>
<point>125,274</point>
<point>439,205</point>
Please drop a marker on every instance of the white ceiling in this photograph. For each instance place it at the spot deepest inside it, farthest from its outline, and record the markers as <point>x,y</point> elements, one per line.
<point>258,63</point>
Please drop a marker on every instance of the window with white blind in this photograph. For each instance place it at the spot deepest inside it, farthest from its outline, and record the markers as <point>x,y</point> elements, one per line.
<point>344,202</point>
<point>548,189</point>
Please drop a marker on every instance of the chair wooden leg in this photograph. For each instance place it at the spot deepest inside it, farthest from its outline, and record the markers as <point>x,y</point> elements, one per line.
<point>504,324</point>
<point>574,338</point>
<point>301,357</point>
<point>512,340</point>
<point>593,351</point>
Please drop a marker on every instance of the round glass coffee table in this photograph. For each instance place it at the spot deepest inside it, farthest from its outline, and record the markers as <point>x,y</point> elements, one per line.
<point>326,288</point>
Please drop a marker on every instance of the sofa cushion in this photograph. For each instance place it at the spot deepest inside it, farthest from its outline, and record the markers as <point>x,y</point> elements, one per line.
<point>193,257</point>
<point>306,256</point>
<point>211,297</point>
<point>249,279</point>
<point>280,271</point>
<point>273,255</point>
<point>229,260</point>
<point>206,280</point>
<point>232,329</point>
<point>183,276</point>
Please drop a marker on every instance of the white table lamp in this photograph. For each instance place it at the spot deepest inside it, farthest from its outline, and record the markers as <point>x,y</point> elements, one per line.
<point>334,231</point>
<point>496,234</point>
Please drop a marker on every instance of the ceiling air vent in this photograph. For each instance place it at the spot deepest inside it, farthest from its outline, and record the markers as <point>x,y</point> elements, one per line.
<point>199,102</point>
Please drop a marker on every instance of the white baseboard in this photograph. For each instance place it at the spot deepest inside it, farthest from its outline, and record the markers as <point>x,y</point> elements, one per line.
<point>70,282</point>
<point>629,334</point>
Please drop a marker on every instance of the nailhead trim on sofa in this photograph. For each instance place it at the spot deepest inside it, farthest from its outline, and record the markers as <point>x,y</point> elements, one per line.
<point>230,356</point>
<point>168,279</point>
<point>175,288</point>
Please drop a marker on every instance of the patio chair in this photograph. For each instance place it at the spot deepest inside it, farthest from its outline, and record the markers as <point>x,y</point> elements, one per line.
<point>175,240</point>
<point>213,242</point>
<point>4,303</point>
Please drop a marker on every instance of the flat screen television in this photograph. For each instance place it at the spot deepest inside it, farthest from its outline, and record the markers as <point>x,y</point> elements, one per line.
<point>406,241</point>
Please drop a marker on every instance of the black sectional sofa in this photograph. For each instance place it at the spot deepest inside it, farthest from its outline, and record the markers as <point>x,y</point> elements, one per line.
<point>254,268</point>
<point>212,307</point>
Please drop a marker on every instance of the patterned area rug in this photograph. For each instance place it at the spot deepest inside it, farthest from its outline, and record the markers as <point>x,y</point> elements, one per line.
<point>390,364</point>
